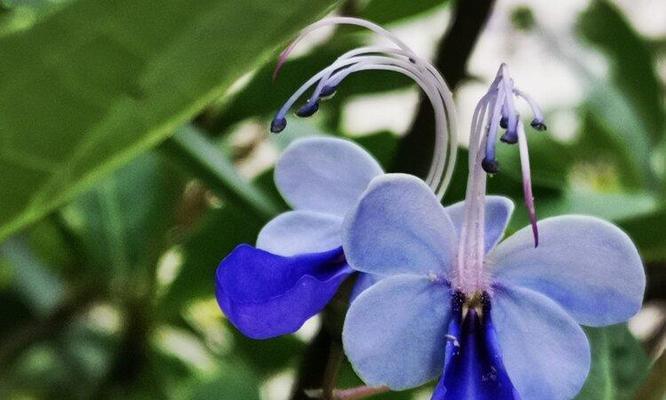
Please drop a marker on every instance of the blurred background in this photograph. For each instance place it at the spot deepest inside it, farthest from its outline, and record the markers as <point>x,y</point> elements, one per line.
<point>135,155</point>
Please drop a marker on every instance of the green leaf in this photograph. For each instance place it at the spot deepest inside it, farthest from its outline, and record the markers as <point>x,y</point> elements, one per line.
<point>655,384</point>
<point>33,280</point>
<point>121,225</point>
<point>647,231</point>
<point>387,11</point>
<point>619,364</point>
<point>633,63</point>
<point>612,130</point>
<point>550,160</point>
<point>96,83</point>
<point>234,380</point>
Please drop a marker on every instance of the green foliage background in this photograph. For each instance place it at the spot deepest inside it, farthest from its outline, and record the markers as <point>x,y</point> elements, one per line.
<point>120,187</point>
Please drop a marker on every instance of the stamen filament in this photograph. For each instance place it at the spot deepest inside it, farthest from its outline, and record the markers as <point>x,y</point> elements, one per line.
<point>401,60</point>
<point>527,181</point>
<point>538,120</point>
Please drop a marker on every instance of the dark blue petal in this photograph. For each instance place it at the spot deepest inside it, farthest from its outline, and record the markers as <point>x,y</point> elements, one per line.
<point>474,368</point>
<point>265,295</point>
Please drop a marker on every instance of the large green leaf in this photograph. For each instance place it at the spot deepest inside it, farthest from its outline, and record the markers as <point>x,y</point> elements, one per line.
<point>619,364</point>
<point>96,83</point>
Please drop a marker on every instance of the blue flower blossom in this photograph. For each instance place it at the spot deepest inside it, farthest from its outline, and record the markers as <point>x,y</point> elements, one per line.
<point>496,321</point>
<point>298,263</point>
<point>520,329</point>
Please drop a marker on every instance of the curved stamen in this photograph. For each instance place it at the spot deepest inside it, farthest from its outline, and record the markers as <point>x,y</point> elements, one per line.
<point>538,119</point>
<point>495,109</point>
<point>435,80</point>
<point>434,179</point>
<point>401,60</point>
<point>336,21</point>
<point>527,181</point>
<point>489,163</point>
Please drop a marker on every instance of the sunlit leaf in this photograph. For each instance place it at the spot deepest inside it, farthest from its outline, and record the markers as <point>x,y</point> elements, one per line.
<point>97,83</point>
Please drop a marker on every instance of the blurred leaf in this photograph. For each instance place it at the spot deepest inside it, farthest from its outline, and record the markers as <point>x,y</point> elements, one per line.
<point>610,206</point>
<point>655,384</point>
<point>612,129</point>
<point>619,364</point>
<point>647,231</point>
<point>382,145</point>
<point>234,380</point>
<point>387,11</point>
<point>32,279</point>
<point>550,160</point>
<point>522,18</point>
<point>222,230</point>
<point>633,64</point>
<point>97,83</point>
<point>202,157</point>
<point>122,223</point>
<point>267,356</point>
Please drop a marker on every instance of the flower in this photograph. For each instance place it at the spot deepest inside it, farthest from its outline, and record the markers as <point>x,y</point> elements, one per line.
<point>497,321</point>
<point>520,330</point>
<point>298,263</point>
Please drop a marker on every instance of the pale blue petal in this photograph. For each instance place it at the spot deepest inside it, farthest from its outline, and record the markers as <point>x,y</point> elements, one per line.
<point>589,266</point>
<point>498,213</point>
<point>399,227</point>
<point>395,332</point>
<point>324,174</point>
<point>545,352</point>
<point>299,232</point>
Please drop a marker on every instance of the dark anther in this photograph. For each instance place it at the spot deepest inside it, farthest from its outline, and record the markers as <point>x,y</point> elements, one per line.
<point>411,60</point>
<point>504,122</point>
<point>308,109</point>
<point>509,138</point>
<point>328,91</point>
<point>538,125</point>
<point>490,166</point>
<point>278,125</point>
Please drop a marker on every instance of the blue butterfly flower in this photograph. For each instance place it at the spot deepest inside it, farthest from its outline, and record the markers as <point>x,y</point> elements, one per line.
<point>496,321</point>
<point>521,328</point>
<point>298,263</point>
